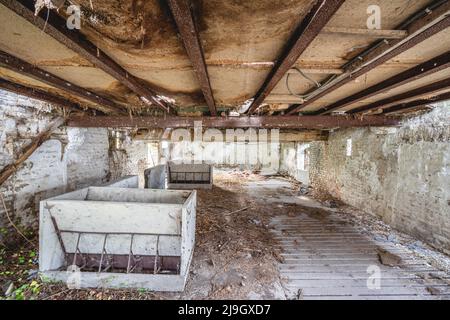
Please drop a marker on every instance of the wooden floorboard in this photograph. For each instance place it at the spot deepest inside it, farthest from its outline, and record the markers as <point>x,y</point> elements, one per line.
<point>329,259</point>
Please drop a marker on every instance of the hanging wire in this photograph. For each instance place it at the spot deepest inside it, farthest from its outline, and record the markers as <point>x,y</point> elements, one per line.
<point>304,75</point>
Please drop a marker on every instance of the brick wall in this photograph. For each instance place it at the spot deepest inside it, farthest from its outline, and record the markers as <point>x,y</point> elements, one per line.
<point>400,174</point>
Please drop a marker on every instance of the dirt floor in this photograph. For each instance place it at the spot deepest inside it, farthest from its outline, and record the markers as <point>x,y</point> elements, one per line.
<point>237,253</point>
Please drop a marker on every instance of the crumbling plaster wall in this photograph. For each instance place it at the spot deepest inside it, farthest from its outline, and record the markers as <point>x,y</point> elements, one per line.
<point>73,158</point>
<point>400,174</point>
<point>289,162</point>
<point>133,157</point>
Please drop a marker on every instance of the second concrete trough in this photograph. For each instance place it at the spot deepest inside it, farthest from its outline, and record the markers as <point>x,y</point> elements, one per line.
<point>179,176</point>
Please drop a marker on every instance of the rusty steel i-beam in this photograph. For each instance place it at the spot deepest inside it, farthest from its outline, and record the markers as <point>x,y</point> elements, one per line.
<point>417,103</point>
<point>425,69</point>
<point>420,31</point>
<point>303,36</point>
<point>38,94</point>
<point>433,88</point>
<point>55,26</point>
<point>20,66</point>
<point>266,122</point>
<point>184,19</point>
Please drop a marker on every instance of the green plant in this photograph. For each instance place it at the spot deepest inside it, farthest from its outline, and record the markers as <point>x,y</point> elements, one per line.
<point>27,291</point>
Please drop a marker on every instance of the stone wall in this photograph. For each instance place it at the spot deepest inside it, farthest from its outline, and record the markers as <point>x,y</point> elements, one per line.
<point>133,157</point>
<point>73,158</point>
<point>290,162</point>
<point>400,174</point>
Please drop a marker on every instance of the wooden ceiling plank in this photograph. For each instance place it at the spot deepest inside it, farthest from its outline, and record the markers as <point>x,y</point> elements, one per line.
<point>417,103</point>
<point>383,34</point>
<point>425,69</point>
<point>427,23</point>
<point>55,26</point>
<point>20,66</point>
<point>303,36</point>
<point>430,89</point>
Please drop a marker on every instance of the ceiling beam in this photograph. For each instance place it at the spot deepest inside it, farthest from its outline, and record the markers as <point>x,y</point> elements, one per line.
<point>267,122</point>
<point>182,14</point>
<point>55,26</point>
<point>433,13</point>
<point>22,67</point>
<point>303,36</point>
<point>38,95</point>
<point>417,103</point>
<point>433,88</point>
<point>383,34</point>
<point>427,25</point>
<point>427,68</point>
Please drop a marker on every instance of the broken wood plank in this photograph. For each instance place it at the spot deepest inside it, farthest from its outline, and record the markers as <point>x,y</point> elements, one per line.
<point>283,99</point>
<point>316,70</point>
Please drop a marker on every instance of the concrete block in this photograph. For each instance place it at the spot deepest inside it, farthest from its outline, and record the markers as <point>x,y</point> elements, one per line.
<point>155,178</point>
<point>125,182</point>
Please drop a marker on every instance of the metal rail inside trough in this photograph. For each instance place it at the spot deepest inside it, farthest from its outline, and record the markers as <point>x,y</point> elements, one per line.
<point>116,237</point>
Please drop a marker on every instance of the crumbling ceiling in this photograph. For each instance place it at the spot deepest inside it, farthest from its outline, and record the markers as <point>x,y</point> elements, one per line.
<point>241,41</point>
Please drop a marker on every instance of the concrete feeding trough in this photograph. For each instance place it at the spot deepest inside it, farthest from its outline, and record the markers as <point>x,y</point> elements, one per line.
<point>179,176</point>
<point>189,176</point>
<point>118,238</point>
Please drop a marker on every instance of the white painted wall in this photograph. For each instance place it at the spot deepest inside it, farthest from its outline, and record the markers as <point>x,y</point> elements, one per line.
<point>71,159</point>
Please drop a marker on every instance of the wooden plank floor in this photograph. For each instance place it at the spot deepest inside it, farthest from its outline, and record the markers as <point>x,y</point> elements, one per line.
<point>325,258</point>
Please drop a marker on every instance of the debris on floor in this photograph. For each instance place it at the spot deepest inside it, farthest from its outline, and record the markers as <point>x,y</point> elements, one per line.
<point>388,258</point>
<point>239,252</point>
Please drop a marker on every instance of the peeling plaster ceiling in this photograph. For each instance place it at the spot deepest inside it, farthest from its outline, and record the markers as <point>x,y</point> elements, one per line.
<point>241,41</point>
